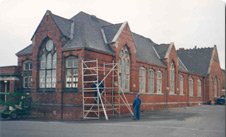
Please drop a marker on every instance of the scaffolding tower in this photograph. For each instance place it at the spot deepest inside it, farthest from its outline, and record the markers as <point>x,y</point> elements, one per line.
<point>101,92</point>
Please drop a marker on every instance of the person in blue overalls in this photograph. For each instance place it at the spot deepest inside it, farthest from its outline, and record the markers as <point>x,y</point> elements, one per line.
<point>101,88</point>
<point>136,107</point>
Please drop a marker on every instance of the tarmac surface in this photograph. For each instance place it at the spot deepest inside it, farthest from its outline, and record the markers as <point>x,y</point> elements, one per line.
<point>199,121</point>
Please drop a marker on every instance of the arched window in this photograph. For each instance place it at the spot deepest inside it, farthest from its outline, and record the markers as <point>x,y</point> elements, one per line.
<point>190,86</point>
<point>181,84</point>
<point>159,82</point>
<point>124,69</point>
<point>218,87</point>
<point>47,70</point>
<point>199,88</point>
<point>142,80</point>
<point>151,80</point>
<point>27,71</point>
<point>71,76</point>
<point>215,87</point>
<point>172,79</point>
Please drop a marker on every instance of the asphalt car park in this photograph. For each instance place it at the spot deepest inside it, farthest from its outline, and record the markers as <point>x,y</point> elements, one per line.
<point>199,121</point>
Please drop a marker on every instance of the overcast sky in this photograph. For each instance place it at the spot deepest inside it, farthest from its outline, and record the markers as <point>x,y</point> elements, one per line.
<point>185,22</point>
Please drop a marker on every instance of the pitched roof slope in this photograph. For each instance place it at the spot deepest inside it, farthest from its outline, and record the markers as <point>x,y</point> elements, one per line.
<point>145,50</point>
<point>196,60</point>
<point>110,31</point>
<point>63,24</point>
<point>87,33</point>
<point>25,51</point>
<point>162,49</point>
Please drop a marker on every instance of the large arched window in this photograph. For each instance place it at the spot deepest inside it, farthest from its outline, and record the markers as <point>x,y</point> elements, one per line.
<point>47,70</point>
<point>215,87</point>
<point>190,86</point>
<point>151,81</point>
<point>181,78</point>
<point>172,79</point>
<point>199,88</point>
<point>124,69</point>
<point>159,82</point>
<point>142,80</point>
<point>71,76</point>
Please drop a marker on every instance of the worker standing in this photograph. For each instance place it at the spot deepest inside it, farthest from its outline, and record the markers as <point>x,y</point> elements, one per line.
<point>136,107</point>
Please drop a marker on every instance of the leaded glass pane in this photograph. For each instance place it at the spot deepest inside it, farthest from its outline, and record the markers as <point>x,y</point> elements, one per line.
<point>54,60</point>
<point>53,78</point>
<point>151,81</point>
<point>124,69</point>
<point>43,62</point>
<point>190,87</point>
<point>159,82</point>
<point>42,79</point>
<point>181,85</point>
<point>48,79</point>
<point>49,61</point>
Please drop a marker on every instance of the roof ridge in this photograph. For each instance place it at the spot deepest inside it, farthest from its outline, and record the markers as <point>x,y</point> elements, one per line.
<point>111,24</point>
<point>145,38</point>
<point>87,14</point>
<point>61,17</point>
<point>194,49</point>
<point>19,52</point>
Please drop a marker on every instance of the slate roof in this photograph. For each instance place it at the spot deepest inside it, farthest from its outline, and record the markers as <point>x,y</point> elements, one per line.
<point>182,67</point>
<point>25,51</point>
<point>63,24</point>
<point>162,49</point>
<point>110,31</point>
<point>87,33</point>
<point>196,60</point>
<point>145,50</point>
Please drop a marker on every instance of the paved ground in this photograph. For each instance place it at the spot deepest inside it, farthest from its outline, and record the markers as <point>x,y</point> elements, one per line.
<point>201,121</point>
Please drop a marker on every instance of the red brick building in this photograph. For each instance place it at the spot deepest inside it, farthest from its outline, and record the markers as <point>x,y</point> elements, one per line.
<point>52,68</point>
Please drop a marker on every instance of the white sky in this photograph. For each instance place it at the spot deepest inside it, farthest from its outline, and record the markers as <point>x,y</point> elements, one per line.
<point>185,22</point>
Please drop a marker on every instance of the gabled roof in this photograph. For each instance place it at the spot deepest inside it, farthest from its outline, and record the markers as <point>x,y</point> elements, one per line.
<point>145,50</point>
<point>162,50</point>
<point>25,51</point>
<point>63,24</point>
<point>196,60</point>
<point>87,33</point>
<point>93,33</point>
<point>110,31</point>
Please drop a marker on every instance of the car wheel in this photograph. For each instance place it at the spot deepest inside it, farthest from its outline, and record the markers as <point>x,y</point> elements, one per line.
<point>13,115</point>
